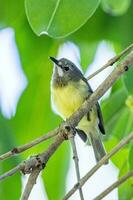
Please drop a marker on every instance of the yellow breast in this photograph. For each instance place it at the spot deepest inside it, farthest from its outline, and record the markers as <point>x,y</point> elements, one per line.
<point>69,98</point>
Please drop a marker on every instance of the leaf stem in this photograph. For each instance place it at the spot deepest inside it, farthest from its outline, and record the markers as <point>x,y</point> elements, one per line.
<point>111,61</point>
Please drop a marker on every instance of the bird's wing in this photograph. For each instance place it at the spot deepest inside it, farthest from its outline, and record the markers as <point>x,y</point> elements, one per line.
<point>81,134</point>
<point>99,113</point>
<point>100,117</point>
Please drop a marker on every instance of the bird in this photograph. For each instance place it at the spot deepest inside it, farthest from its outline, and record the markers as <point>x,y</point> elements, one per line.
<point>69,89</point>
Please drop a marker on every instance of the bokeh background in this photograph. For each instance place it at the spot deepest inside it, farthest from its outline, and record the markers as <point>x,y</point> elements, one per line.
<point>25,106</point>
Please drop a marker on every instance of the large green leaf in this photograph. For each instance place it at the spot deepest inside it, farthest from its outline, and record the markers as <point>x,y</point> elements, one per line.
<point>114,7</point>
<point>119,158</point>
<point>123,124</point>
<point>7,141</point>
<point>112,108</point>
<point>117,114</point>
<point>58,18</point>
<point>118,121</point>
<point>125,191</point>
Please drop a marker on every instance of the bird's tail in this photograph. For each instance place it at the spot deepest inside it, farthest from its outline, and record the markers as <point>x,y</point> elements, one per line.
<point>97,145</point>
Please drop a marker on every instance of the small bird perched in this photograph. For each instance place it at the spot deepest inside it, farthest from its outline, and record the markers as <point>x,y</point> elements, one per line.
<point>69,89</point>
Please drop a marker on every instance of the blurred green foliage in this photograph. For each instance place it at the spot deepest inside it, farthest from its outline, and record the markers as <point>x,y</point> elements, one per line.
<point>111,21</point>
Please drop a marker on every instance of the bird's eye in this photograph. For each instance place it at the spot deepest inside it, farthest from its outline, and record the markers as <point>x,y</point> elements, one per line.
<point>66,68</point>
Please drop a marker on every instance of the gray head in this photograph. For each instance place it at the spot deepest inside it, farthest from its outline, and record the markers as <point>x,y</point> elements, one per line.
<point>65,71</point>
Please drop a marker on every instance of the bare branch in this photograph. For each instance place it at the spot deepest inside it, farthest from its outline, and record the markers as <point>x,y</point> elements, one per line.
<point>75,118</point>
<point>98,165</point>
<point>42,163</point>
<point>10,173</point>
<point>112,61</point>
<point>76,161</point>
<point>30,184</point>
<point>86,106</point>
<point>83,110</point>
<point>38,161</point>
<point>24,147</point>
<point>114,185</point>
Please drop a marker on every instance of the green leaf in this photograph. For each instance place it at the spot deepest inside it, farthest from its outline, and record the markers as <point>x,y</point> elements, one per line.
<point>125,191</point>
<point>114,7</point>
<point>121,156</point>
<point>128,80</point>
<point>118,85</point>
<point>117,115</point>
<point>7,142</point>
<point>130,157</point>
<point>58,18</point>
<point>112,107</point>
<point>123,124</point>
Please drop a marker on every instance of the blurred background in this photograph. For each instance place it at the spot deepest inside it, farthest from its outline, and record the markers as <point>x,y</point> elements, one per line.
<point>25,105</point>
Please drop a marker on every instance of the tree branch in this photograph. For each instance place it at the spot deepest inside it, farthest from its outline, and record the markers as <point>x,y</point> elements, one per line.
<point>114,185</point>
<point>112,61</point>
<point>76,161</point>
<point>40,160</point>
<point>98,165</point>
<point>86,106</point>
<point>31,182</point>
<point>10,172</point>
<point>24,147</point>
<point>97,94</point>
<point>75,118</point>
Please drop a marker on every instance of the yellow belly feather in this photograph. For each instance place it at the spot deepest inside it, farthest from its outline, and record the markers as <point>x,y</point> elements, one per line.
<point>68,99</point>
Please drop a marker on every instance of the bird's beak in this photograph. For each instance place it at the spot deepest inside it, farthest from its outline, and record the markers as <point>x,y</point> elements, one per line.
<point>54,60</point>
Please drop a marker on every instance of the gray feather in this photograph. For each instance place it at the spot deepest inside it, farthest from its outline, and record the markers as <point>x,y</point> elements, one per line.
<point>97,145</point>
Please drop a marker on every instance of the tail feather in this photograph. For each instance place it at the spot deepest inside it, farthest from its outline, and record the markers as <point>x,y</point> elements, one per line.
<point>97,145</point>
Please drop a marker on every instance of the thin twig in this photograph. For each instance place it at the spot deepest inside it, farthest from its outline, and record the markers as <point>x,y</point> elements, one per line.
<point>42,160</point>
<point>98,165</point>
<point>114,185</point>
<point>30,184</point>
<point>37,161</point>
<point>10,172</point>
<point>76,161</point>
<point>75,118</point>
<point>112,61</point>
<point>25,147</point>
